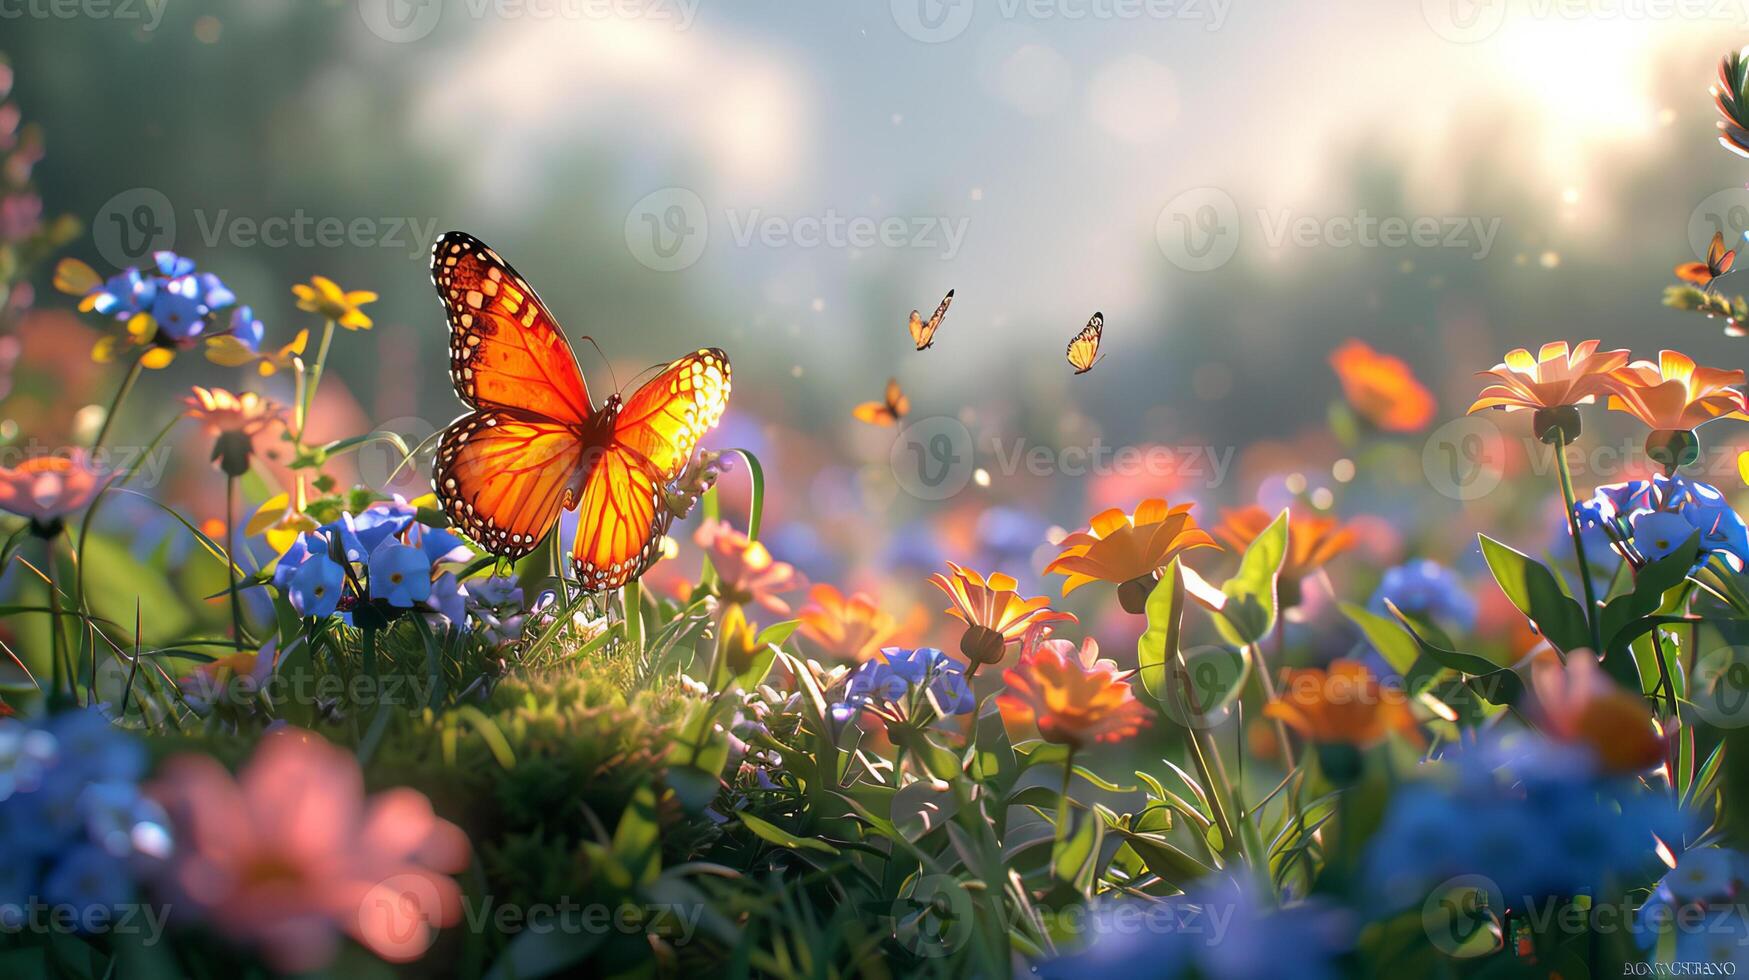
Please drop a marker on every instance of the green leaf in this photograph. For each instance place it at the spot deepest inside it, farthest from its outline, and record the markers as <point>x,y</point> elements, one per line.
<point>1496,684</point>
<point>773,834</point>
<point>637,841</point>
<point>1534,590</point>
<point>1158,645</point>
<point>1164,858</point>
<point>777,633</point>
<point>1396,645</point>
<point>1075,858</point>
<point>1249,614</point>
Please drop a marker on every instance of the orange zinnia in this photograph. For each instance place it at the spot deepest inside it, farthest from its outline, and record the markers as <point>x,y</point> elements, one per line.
<point>1344,705</point>
<point>1578,703</point>
<point>994,612</point>
<point>222,412</point>
<point>1674,394</point>
<point>1127,550</point>
<point>1382,388</point>
<point>1311,542</point>
<point>1554,378</point>
<point>1074,697</point>
<point>851,628</point>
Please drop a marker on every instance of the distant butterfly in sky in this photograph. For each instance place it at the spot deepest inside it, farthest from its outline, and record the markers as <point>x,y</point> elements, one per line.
<point>923,334</point>
<point>1718,262</point>
<point>895,407</point>
<point>534,442</point>
<point>1084,348</point>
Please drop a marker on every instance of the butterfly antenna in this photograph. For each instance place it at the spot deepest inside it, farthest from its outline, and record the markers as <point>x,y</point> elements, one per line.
<point>604,361</point>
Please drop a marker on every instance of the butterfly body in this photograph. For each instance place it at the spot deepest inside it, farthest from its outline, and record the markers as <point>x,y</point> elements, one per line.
<point>894,406</point>
<point>534,442</point>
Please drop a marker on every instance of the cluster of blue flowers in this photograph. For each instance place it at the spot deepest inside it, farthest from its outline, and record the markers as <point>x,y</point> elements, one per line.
<point>894,682</point>
<point>1696,914</point>
<point>1534,817</point>
<point>73,825</point>
<point>1656,516</point>
<point>186,305</point>
<point>1218,929</point>
<point>1426,588</point>
<point>382,549</point>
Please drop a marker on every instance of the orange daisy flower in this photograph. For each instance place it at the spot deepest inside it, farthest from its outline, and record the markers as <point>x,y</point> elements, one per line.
<point>1344,704</point>
<point>1554,378</point>
<point>1578,703</point>
<point>1312,541</point>
<point>852,628</point>
<point>1382,388</point>
<point>995,614</point>
<point>1675,394</point>
<point>1074,697</point>
<point>1127,550</point>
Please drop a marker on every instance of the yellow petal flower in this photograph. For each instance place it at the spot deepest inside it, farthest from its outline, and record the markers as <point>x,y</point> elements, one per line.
<point>75,278</point>
<point>157,358</point>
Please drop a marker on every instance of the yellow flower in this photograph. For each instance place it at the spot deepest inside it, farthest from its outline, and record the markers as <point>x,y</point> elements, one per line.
<point>1674,394</point>
<point>994,612</point>
<point>280,522</point>
<point>231,352</point>
<point>1125,549</point>
<point>1554,378</point>
<point>322,296</point>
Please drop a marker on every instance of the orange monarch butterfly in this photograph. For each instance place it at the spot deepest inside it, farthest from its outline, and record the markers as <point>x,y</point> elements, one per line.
<point>923,334</point>
<point>1718,262</point>
<point>533,441</point>
<point>896,406</point>
<point>1084,348</point>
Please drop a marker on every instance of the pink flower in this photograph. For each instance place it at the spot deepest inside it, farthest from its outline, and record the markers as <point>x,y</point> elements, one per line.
<point>746,572</point>
<point>48,488</point>
<point>290,854</point>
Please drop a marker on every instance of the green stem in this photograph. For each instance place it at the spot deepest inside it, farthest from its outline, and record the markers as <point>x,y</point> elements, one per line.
<point>315,379</point>
<point>1578,542</point>
<point>632,598</point>
<point>121,394</point>
<point>1064,812</point>
<point>370,653</point>
<point>231,565</point>
<point>57,644</point>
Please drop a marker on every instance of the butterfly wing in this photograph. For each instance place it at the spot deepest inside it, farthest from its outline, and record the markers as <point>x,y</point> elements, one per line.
<point>895,406</point>
<point>505,349</point>
<point>503,474</point>
<point>1084,348</point>
<point>621,519</point>
<point>923,334</point>
<point>661,423</point>
<point>620,522</point>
